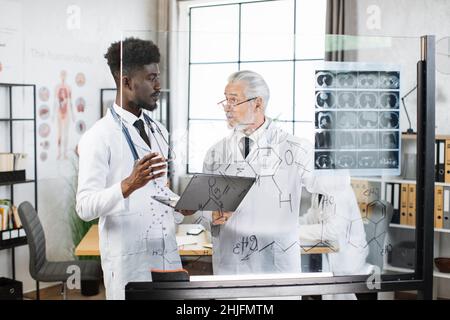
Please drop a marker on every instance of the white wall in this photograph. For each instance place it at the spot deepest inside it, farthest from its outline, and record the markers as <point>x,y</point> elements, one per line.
<point>49,47</point>
<point>408,18</point>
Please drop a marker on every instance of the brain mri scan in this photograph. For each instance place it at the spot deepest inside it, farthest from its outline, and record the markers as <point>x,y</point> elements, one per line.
<point>368,80</point>
<point>367,100</point>
<point>324,140</point>
<point>389,100</point>
<point>389,80</point>
<point>324,160</point>
<point>346,79</point>
<point>325,79</point>
<point>389,120</point>
<point>325,120</point>
<point>368,140</point>
<point>367,159</point>
<point>346,100</point>
<point>389,140</point>
<point>357,109</point>
<point>346,140</point>
<point>347,120</point>
<point>345,160</point>
<point>325,99</point>
<point>368,120</point>
<point>388,159</point>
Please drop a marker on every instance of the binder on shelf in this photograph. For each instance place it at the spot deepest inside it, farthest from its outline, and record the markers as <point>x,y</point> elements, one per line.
<point>436,160</point>
<point>16,218</point>
<point>388,194</point>
<point>5,216</point>
<point>411,204</point>
<point>396,204</point>
<point>446,208</point>
<point>440,177</point>
<point>404,204</point>
<point>6,162</point>
<point>447,161</point>
<point>438,207</point>
<point>362,208</point>
<point>366,192</point>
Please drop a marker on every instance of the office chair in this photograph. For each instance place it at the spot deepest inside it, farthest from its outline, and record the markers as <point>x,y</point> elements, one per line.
<point>48,271</point>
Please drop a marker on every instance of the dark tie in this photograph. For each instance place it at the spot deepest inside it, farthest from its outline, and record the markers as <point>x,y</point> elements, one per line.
<point>139,124</point>
<point>246,146</point>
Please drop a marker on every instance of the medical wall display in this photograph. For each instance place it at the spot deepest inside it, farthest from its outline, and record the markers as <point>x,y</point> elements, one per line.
<point>45,144</point>
<point>357,118</point>
<point>44,112</point>
<point>43,156</point>
<point>80,104</point>
<point>44,93</point>
<point>44,130</point>
<point>80,126</point>
<point>80,79</point>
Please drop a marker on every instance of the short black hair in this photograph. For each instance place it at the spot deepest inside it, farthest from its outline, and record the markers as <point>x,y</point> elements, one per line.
<point>135,54</point>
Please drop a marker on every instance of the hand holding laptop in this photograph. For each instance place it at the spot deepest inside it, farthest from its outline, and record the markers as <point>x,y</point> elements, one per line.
<point>219,218</point>
<point>209,192</point>
<point>187,212</point>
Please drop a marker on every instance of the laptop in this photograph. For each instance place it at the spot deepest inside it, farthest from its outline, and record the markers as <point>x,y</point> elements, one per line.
<point>210,192</point>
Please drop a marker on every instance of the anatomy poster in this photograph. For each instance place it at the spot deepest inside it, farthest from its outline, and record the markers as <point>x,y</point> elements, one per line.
<point>64,101</point>
<point>357,118</point>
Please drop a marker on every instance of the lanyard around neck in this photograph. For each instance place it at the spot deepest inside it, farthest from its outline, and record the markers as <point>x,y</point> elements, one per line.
<point>126,133</point>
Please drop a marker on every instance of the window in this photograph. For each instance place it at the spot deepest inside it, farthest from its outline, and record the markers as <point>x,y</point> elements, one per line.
<point>279,39</point>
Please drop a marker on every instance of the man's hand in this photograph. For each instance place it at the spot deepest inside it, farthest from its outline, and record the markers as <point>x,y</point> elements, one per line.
<point>187,212</point>
<point>220,217</point>
<point>144,170</point>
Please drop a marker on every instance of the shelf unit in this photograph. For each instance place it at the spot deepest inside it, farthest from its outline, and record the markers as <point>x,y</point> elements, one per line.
<point>10,239</point>
<point>409,142</point>
<point>402,226</point>
<point>436,273</point>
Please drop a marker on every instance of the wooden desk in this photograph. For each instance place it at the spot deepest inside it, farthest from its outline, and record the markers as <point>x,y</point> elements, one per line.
<point>89,245</point>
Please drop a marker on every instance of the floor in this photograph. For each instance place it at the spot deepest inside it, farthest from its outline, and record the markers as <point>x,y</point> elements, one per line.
<point>55,293</point>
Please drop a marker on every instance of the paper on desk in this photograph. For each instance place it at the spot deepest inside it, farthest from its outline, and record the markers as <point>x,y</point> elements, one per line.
<point>182,240</point>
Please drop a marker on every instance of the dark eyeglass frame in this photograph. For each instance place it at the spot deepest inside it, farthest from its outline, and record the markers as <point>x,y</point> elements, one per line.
<point>224,102</point>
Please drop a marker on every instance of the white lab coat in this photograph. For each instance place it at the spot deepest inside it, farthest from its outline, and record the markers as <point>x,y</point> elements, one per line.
<point>136,234</point>
<point>345,229</point>
<point>262,234</point>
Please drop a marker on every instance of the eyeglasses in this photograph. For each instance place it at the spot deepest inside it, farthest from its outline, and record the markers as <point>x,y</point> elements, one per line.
<point>232,102</point>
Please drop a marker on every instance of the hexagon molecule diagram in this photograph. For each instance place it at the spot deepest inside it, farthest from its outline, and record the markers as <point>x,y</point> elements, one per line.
<point>375,219</point>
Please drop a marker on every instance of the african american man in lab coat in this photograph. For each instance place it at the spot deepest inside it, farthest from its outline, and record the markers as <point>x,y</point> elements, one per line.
<point>122,164</point>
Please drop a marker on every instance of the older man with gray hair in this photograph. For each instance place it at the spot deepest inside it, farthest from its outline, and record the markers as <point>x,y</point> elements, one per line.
<point>262,235</point>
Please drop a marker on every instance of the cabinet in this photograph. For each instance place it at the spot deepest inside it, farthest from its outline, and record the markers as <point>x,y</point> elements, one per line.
<point>18,132</point>
<point>381,188</point>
